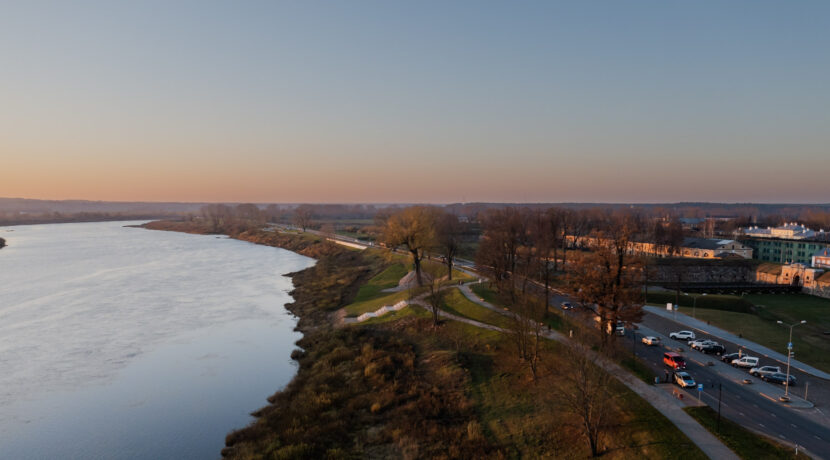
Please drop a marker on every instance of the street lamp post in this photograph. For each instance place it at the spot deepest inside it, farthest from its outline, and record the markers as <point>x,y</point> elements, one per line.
<point>694,304</point>
<point>789,354</point>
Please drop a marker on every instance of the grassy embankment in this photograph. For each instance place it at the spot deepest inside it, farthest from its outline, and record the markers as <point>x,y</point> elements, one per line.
<point>404,389</point>
<point>746,444</point>
<point>754,317</point>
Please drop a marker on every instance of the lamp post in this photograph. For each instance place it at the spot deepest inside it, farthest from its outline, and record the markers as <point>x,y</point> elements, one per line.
<point>694,304</point>
<point>789,353</point>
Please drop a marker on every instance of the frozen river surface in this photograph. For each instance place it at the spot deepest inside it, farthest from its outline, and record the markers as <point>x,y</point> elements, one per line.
<point>120,342</point>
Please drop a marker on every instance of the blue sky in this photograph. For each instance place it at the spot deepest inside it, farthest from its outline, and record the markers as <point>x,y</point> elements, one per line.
<point>420,101</point>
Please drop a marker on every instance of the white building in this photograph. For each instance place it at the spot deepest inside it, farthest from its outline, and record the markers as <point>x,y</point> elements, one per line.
<point>788,231</point>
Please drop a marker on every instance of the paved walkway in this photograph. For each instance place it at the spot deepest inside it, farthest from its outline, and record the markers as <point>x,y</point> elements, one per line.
<point>701,326</point>
<point>658,398</point>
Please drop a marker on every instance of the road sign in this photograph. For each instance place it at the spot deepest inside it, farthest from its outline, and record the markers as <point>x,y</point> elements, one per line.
<point>699,387</point>
<point>789,345</point>
<point>668,306</point>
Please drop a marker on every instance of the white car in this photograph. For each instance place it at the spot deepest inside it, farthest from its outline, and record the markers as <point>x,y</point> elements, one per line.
<point>698,344</point>
<point>682,335</point>
<point>746,362</point>
<point>684,379</point>
<point>651,340</point>
<point>764,370</point>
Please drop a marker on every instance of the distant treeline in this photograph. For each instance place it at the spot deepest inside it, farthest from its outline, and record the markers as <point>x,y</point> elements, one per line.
<point>58,218</point>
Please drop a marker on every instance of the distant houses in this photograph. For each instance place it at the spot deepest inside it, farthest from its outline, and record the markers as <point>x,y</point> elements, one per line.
<point>692,248</point>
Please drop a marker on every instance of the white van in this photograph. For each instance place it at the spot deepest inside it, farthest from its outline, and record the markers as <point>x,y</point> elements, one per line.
<point>746,361</point>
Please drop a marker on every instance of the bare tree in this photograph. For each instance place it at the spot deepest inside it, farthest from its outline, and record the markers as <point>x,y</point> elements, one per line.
<point>413,228</point>
<point>218,216</point>
<point>436,295</point>
<point>447,237</point>
<point>587,392</point>
<point>526,329</point>
<point>303,216</point>
<point>505,233</point>
<point>609,277</point>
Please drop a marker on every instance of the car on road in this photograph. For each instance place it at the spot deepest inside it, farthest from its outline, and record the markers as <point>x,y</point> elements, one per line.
<point>674,360</point>
<point>682,335</point>
<point>779,378</point>
<point>567,306</point>
<point>713,349</point>
<point>684,380</point>
<point>764,370</point>
<point>651,340</point>
<point>698,344</point>
<point>729,357</point>
<point>745,362</point>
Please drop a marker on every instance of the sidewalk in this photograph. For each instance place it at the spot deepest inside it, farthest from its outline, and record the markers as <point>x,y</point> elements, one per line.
<point>701,326</point>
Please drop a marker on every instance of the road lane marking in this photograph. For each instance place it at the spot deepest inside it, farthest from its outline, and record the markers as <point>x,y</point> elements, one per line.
<point>761,425</point>
<point>782,436</point>
<point>817,437</point>
<point>742,414</point>
<point>793,425</point>
<point>773,415</point>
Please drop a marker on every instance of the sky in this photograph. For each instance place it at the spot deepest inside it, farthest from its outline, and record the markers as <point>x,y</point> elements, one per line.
<point>427,101</point>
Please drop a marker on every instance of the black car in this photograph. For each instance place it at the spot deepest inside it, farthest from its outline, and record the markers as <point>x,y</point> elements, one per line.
<point>715,349</point>
<point>729,357</point>
<point>778,378</point>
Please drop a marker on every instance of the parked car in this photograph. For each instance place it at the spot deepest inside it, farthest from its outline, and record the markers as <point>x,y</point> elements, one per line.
<point>729,357</point>
<point>682,335</point>
<point>715,349</point>
<point>698,344</point>
<point>651,340</point>
<point>567,306</point>
<point>684,380</point>
<point>745,362</point>
<point>764,370</point>
<point>674,360</point>
<point>779,378</point>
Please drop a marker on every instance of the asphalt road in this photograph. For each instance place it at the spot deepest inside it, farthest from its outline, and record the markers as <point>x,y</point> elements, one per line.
<point>742,403</point>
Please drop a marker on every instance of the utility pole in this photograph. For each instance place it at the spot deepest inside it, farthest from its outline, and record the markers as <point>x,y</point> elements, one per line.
<point>789,354</point>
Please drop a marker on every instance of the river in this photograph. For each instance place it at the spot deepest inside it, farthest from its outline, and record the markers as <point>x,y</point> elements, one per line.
<point>122,343</point>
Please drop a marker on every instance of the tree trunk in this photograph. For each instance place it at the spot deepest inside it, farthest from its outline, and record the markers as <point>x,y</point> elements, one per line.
<point>449,268</point>
<point>416,261</point>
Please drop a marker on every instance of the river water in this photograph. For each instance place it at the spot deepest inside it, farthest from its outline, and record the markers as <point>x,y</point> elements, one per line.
<point>122,343</point>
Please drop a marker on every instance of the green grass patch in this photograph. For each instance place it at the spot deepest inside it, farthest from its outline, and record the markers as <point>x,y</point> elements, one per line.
<point>410,311</point>
<point>746,444</point>
<point>711,302</point>
<point>456,303</point>
<point>358,308</point>
<point>488,294</point>
<point>386,279</point>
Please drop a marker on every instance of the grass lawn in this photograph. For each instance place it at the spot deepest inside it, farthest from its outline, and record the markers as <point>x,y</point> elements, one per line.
<point>529,420</point>
<point>455,303</point>
<point>358,308</point>
<point>413,311</point>
<point>484,291</point>
<point>386,279</point>
<point>743,442</point>
<point>809,343</point>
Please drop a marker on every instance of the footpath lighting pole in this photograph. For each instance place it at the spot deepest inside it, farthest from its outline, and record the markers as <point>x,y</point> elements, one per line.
<point>789,354</point>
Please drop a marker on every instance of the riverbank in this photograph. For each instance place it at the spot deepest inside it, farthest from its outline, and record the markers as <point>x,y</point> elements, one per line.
<point>400,387</point>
